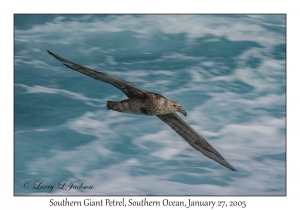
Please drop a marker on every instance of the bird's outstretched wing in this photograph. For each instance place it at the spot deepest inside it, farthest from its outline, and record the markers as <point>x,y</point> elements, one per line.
<point>126,87</point>
<point>193,138</point>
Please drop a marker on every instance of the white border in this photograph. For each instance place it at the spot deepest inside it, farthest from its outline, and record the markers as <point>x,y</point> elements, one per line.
<point>155,6</point>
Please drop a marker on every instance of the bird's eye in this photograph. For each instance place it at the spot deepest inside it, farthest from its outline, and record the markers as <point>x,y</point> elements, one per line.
<point>174,105</point>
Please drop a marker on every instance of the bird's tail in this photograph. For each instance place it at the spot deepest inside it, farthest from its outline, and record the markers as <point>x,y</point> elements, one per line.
<point>111,104</point>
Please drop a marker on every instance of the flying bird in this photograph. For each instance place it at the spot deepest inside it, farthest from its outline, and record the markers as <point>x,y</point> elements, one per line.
<point>143,102</point>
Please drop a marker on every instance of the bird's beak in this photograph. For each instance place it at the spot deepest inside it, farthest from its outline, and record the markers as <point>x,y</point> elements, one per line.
<point>181,110</point>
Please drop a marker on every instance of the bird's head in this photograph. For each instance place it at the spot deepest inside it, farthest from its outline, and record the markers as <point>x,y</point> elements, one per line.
<point>175,107</point>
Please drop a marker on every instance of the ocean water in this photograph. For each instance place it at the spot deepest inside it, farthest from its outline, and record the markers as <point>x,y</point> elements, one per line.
<point>227,71</point>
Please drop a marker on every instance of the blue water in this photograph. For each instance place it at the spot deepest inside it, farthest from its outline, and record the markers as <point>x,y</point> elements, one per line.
<point>227,71</point>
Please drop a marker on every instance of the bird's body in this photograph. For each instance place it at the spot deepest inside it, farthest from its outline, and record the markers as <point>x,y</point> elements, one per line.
<point>143,102</point>
<point>151,104</point>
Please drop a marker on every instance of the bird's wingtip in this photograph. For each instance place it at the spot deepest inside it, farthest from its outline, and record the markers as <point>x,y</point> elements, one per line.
<point>50,52</point>
<point>231,168</point>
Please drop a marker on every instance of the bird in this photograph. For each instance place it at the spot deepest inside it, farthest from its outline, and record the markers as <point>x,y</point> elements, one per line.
<point>148,103</point>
